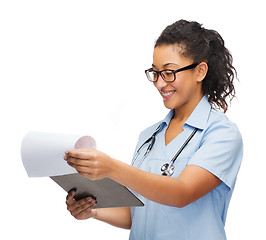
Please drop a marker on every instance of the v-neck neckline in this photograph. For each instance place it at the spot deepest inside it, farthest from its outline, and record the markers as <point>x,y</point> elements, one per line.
<point>177,139</point>
<point>177,136</point>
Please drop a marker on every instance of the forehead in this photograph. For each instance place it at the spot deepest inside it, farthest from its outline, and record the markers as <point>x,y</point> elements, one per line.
<point>165,54</point>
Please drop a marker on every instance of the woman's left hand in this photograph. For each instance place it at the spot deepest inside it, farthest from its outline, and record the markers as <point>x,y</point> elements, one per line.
<point>90,163</point>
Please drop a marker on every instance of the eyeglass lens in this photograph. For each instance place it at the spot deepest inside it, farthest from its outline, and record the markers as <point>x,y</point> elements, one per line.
<point>167,75</point>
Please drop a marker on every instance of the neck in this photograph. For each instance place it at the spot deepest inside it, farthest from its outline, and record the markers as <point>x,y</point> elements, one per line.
<point>183,112</point>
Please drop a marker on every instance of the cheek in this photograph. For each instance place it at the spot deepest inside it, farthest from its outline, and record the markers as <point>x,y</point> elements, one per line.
<point>181,85</point>
<point>184,85</point>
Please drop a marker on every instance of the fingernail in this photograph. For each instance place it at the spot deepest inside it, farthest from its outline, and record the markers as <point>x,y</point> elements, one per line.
<point>72,190</point>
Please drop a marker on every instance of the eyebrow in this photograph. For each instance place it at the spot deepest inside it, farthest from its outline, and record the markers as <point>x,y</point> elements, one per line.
<point>166,65</point>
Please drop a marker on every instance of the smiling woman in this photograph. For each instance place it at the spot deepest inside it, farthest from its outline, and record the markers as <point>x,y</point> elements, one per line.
<point>193,72</point>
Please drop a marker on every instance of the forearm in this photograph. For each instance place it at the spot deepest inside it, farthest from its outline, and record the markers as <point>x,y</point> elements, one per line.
<point>161,189</point>
<point>193,183</point>
<point>118,217</point>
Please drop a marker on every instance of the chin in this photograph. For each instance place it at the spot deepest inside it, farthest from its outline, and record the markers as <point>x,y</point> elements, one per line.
<point>170,105</point>
<point>174,103</point>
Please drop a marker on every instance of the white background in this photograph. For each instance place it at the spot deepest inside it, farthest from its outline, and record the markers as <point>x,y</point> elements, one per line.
<point>78,67</point>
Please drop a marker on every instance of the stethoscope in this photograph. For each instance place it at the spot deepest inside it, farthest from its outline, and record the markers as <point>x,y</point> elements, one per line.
<point>168,168</point>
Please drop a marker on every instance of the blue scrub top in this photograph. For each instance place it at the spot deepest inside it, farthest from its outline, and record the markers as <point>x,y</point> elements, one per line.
<point>217,147</point>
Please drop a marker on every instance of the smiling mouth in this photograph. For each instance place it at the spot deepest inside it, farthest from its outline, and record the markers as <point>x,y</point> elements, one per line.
<point>167,94</point>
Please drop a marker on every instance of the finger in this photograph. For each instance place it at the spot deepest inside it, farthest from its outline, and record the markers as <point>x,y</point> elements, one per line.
<point>75,204</point>
<point>81,204</point>
<point>85,214</point>
<point>77,161</point>
<point>82,169</point>
<point>85,208</point>
<point>81,154</point>
<point>70,197</point>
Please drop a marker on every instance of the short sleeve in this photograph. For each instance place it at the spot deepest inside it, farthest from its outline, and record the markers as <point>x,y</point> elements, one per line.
<point>220,152</point>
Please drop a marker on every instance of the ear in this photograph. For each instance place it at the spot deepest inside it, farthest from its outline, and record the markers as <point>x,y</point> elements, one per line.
<point>202,70</point>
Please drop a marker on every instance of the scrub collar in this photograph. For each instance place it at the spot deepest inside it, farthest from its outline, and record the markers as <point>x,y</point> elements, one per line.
<point>197,119</point>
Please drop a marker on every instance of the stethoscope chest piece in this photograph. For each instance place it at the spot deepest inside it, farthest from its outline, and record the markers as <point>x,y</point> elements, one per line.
<point>167,169</point>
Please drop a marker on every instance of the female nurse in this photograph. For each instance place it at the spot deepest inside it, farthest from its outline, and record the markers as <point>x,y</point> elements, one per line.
<point>192,71</point>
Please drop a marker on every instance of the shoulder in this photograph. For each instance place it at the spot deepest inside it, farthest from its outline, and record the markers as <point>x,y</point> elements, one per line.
<point>219,126</point>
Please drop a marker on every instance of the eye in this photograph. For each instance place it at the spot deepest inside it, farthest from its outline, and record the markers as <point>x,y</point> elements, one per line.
<point>168,73</point>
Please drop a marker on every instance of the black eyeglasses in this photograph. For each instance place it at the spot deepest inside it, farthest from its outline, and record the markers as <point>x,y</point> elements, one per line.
<point>167,74</point>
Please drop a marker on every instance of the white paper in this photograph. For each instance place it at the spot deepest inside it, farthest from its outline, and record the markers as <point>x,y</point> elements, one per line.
<point>43,153</point>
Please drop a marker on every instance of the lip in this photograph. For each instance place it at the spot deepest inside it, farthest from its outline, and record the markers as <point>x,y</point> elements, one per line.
<point>167,94</point>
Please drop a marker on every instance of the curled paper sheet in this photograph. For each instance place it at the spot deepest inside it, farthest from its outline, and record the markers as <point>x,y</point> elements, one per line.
<point>42,153</point>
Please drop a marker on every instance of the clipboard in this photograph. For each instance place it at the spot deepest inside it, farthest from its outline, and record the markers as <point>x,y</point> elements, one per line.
<point>107,192</point>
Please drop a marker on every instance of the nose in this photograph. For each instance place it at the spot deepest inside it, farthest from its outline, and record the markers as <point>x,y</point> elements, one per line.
<point>160,83</point>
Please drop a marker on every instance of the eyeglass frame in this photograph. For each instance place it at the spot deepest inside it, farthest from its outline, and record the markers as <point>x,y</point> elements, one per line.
<point>191,66</point>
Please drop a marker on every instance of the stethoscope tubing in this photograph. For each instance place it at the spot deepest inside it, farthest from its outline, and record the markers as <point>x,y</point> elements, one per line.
<point>167,168</point>
<point>183,146</point>
<point>152,139</point>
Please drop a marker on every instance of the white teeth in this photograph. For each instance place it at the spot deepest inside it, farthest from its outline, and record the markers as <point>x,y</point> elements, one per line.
<point>166,94</point>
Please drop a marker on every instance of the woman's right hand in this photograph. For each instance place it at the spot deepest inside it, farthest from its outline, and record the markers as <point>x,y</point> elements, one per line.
<point>81,209</point>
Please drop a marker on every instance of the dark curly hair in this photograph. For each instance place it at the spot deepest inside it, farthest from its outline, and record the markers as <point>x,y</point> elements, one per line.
<point>203,45</point>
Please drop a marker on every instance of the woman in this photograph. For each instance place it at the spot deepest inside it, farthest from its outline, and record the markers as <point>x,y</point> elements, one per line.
<point>193,72</point>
